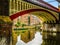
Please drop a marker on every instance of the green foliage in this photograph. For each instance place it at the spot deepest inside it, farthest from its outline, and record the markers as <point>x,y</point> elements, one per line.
<point>23,25</point>
<point>2,22</point>
<point>18,24</point>
<point>21,29</point>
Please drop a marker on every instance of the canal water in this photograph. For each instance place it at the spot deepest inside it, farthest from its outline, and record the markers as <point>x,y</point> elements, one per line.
<point>44,39</point>
<point>36,41</point>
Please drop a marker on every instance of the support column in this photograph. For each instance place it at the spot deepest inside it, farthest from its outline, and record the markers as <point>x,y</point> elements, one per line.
<point>59,17</point>
<point>58,34</point>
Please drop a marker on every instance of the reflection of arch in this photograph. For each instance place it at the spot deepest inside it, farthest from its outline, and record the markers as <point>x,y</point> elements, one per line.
<point>28,11</point>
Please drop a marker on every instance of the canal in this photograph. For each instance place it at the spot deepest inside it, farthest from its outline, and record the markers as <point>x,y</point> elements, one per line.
<point>38,38</point>
<point>33,37</point>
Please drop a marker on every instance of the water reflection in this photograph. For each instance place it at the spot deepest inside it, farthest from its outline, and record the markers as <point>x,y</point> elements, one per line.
<point>36,41</point>
<point>19,41</point>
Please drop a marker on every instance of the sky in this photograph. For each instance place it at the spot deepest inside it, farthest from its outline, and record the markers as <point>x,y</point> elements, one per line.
<point>52,2</point>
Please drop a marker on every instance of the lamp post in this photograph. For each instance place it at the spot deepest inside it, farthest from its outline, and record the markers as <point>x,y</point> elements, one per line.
<point>29,20</point>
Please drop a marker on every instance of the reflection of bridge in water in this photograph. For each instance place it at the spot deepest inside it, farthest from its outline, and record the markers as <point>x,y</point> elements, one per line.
<point>36,41</point>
